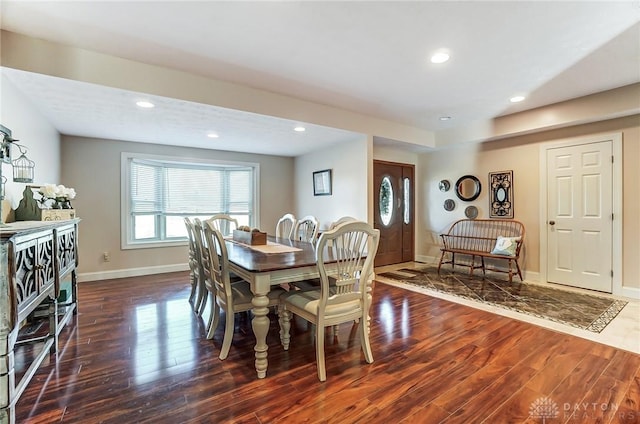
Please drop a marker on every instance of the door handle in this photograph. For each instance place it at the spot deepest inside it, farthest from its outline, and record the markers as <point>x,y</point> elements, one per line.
<point>552,222</point>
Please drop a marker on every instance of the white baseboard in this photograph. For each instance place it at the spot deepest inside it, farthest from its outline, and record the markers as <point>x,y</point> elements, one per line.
<point>131,272</point>
<point>631,292</point>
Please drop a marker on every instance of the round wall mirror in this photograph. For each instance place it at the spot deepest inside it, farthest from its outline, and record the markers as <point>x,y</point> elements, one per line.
<point>468,188</point>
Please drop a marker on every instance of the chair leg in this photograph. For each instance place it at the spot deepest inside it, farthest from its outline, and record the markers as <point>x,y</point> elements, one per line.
<point>364,338</point>
<point>285,327</point>
<point>228,335</point>
<point>322,371</point>
<point>192,295</point>
<point>519,272</point>
<point>203,301</point>
<point>214,318</point>
<point>440,263</point>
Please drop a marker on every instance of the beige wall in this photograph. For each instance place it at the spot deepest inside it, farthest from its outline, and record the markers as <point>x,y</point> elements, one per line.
<point>92,167</point>
<point>348,162</point>
<point>521,154</point>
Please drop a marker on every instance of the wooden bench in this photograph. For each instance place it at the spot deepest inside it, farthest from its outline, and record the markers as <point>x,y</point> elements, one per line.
<point>478,237</point>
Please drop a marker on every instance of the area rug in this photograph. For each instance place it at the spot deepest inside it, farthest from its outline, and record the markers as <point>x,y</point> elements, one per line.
<point>584,311</point>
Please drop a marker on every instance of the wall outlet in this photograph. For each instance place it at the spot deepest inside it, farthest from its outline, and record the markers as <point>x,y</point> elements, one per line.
<point>106,256</point>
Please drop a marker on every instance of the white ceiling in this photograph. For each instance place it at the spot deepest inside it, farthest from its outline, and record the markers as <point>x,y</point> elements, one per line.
<point>371,57</point>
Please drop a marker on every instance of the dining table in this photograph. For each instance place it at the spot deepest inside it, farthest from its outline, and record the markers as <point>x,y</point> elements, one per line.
<point>264,266</point>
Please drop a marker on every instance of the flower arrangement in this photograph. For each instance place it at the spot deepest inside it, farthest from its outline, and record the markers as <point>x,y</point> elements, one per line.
<point>59,196</point>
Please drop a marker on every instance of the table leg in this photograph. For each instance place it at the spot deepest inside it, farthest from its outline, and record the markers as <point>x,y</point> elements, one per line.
<point>260,323</point>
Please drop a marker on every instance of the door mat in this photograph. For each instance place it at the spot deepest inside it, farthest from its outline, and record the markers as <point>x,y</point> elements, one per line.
<point>584,311</point>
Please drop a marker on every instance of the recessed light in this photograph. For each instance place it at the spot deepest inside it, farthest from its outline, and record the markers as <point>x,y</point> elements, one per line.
<point>444,118</point>
<point>516,99</point>
<point>145,104</point>
<point>440,56</point>
<point>300,129</point>
<point>212,135</point>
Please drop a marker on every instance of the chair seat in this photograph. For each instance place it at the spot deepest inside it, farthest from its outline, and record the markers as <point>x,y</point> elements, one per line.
<point>307,300</point>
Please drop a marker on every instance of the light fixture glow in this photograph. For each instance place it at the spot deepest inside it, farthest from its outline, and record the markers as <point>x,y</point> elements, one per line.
<point>145,104</point>
<point>300,129</point>
<point>440,56</point>
<point>445,118</point>
<point>212,135</point>
<point>516,99</point>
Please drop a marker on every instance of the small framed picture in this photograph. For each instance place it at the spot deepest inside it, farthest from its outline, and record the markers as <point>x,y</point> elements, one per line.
<point>322,183</point>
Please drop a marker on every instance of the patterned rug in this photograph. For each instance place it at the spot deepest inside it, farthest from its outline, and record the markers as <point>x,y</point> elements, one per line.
<point>585,311</point>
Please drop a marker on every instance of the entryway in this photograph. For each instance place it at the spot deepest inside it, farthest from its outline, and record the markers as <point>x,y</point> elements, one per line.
<point>394,211</point>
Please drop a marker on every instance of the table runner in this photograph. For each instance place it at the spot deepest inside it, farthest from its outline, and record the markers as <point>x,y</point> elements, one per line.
<point>270,247</point>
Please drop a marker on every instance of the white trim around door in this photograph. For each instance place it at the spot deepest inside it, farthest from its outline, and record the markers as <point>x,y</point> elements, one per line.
<point>617,190</point>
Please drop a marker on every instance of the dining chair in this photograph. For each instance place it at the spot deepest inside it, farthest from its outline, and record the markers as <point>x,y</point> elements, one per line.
<point>230,298</point>
<point>306,229</point>
<point>284,227</point>
<point>202,255</point>
<point>194,264</point>
<point>224,223</point>
<point>344,295</point>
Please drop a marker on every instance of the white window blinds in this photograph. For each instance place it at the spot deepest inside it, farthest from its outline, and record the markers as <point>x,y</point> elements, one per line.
<point>168,190</point>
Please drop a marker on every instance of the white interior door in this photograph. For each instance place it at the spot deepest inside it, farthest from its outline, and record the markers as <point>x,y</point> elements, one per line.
<point>579,215</point>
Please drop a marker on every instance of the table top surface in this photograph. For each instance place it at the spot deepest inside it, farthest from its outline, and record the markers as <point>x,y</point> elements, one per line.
<point>255,261</point>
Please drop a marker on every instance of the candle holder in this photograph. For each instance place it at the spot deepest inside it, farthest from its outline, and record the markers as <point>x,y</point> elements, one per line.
<point>23,168</point>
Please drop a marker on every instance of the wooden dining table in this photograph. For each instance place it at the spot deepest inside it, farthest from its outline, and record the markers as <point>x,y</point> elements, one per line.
<point>288,261</point>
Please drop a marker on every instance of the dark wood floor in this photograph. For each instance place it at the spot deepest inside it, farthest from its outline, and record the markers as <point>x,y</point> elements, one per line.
<point>137,353</point>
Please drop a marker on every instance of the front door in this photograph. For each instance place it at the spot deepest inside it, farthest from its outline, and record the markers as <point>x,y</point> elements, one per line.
<point>394,212</point>
<point>579,215</point>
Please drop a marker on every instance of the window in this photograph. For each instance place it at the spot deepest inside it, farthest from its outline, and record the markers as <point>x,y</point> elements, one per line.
<point>158,192</point>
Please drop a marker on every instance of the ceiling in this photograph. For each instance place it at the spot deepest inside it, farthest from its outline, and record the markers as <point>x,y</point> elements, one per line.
<point>371,57</point>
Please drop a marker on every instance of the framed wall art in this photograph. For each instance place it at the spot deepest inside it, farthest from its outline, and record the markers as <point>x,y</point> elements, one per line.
<point>322,183</point>
<point>501,194</point>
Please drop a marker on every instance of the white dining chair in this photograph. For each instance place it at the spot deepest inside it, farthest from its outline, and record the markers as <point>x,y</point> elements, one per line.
<point>285,225</point>
<point>202,253</point>
<point>306,229</point>
<point>343,296</point>
<point>224,223</point>
<point>231,298</point>
<point>194,266</point>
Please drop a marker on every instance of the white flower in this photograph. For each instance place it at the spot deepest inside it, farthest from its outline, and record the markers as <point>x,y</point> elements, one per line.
<point>70,193</point>
<point>52,191</point>
<point>49,191</point>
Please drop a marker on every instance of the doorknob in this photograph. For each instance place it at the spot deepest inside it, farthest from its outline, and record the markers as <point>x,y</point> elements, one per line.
<point>552,222</point>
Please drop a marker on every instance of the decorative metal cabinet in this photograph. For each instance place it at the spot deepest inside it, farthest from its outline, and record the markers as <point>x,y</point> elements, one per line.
<point>34,258</point>
<point>34,269</point>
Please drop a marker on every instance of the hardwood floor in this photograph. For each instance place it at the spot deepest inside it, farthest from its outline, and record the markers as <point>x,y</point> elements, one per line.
<point>137,353</point>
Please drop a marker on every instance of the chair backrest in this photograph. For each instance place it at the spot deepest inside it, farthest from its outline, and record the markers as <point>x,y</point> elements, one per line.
<point>203,252</point>
<point>224,223</point>
<point>306,229</point>
<point>351,248</point>
<point>218,264</point>
<point>194,254</point>
<point>341,221</point>
<point>285,225</point>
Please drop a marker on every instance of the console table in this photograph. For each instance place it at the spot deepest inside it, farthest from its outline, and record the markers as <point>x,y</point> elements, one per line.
<point>34,257</point>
